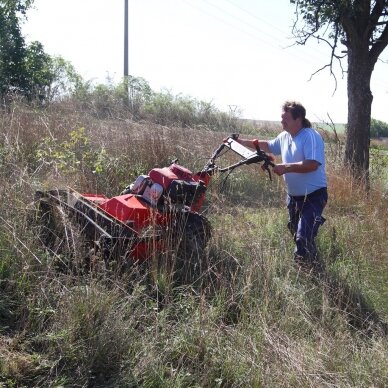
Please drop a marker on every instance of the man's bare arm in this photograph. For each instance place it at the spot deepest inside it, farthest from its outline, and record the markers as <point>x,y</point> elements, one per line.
<point>299,167</point>
<point>263,144</point>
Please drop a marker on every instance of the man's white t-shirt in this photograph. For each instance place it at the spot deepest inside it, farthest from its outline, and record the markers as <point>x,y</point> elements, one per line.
<point>307,144</point>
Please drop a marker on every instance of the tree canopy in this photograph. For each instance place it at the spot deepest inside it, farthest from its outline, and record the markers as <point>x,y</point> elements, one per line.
<point>24,69</point>
<point>12,48</point>
<point>358,31</point>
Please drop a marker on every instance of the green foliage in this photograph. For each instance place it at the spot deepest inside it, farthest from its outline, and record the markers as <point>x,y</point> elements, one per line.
<point>72,155</point>
<point>65,81</point>
<point>378,128</point>
<point>166,108</point>
<point>379,165</point>
<point>134,97</point>
<point>332,18</point>
<point>20,6</point>
<point>77,157</point>
<point>136,92</point>
<point>110,100</point>
<point>38,71</point>
<point>317,14</point>
<point>186,111</point>
<point>24,70</point>
<point>12,49</point>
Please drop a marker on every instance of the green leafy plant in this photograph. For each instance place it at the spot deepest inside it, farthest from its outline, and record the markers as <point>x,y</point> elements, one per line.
<point>72,155</point>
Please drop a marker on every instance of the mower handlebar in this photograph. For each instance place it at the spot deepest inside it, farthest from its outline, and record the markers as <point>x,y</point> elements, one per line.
<point>249,156</point>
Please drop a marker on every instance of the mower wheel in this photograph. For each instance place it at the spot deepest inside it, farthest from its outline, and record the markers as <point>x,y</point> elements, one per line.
<point>194,234</point>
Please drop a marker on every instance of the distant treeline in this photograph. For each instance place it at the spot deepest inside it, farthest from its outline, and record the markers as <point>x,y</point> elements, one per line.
<point>378,128</point>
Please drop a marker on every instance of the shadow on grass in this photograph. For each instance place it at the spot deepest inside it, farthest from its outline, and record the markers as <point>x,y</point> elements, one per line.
<point>360,313</point>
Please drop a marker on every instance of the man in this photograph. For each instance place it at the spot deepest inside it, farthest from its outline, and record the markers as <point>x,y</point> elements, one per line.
<point>303,169</point>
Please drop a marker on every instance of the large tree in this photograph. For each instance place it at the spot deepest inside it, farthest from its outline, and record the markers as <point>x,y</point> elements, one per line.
<point>24,69</point>
<point>27,70</point>
<point>357,30</point>
<point>12,47</point>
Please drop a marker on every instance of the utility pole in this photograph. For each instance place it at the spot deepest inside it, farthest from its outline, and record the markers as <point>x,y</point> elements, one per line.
<point>126,38</point>
<point>126,83</point>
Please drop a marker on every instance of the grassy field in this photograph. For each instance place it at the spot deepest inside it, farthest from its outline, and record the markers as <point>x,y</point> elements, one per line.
<point>249,319</point>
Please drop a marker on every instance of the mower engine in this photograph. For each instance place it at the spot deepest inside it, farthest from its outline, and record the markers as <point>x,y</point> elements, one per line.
<point>174,187</point>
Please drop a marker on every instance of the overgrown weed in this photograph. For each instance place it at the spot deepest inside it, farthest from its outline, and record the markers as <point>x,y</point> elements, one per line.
<point>251,320</point>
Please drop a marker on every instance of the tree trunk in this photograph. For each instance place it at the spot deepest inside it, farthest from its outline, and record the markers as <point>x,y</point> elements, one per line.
<point>359,112</point>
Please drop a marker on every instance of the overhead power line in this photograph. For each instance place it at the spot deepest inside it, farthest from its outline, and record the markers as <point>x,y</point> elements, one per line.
<point>274,42</point>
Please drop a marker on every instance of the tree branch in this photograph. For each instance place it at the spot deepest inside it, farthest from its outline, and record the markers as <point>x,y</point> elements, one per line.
<point>377,12</point>
<point>312,27</point>
<point>379,46</point>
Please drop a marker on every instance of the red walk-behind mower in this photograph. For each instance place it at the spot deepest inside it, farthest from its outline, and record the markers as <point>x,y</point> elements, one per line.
<point>159,211</point>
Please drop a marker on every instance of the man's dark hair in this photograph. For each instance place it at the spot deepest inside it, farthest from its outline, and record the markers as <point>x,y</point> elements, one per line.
<point>297,110</point>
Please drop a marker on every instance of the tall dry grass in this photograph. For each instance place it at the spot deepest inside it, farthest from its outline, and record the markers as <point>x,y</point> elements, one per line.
<point>249,318</point>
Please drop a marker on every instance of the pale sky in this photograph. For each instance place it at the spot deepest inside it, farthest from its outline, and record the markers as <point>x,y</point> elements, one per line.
<point>234,53</point>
